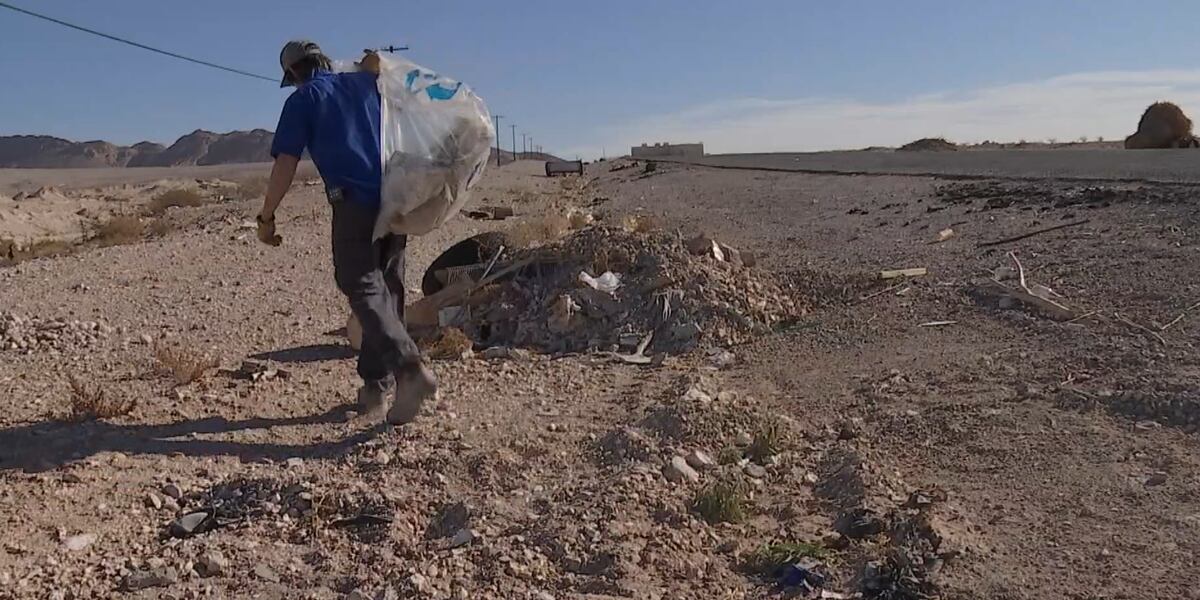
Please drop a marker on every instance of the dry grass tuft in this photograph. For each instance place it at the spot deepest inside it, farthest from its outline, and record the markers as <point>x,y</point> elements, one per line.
<point>90,402</point>
<point>183,364</point>
<point>253,188</point>
<point>768,441</point>
<point>539,230</point>
<point>174,198</point>
<point>641,223</point>
<point>451,344</point>
<point>122,229</point>
<point>720,503</point>
<point>770,558</point>
<point>160,227</point>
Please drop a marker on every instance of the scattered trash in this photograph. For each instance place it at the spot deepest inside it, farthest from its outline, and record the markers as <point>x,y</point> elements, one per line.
<point>799,574</point>
<point>943,235</point>
<point>193,523</point>
<point>937,323</point>
<point>893,274</point>
<point>491,213</point>
<point>451,315</point>
<point>608,282</point>
<point>1030,234</point>
<point>1035,298</point>
<point>361,520</point>
<point>859,523</point>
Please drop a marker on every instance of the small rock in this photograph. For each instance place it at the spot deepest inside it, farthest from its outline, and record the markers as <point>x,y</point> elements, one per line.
<point>295,462</point>
<point>192,524</point>
<point>388,593</point>
<point>146,339</point>
<point>850,428</point>
<point>79,542</point>
<point>743,439</point>
<point>722,359</point>
<point>700,460</point>
<point>156,577</point>
<point>698,395</point>
<point>172,491</point>
<point>358,595</point>
<point>755,471</point>
<point>211,564</point>
<point>420,583</point>
<point>462,538</point>
<point>265,573</point>
<point>811,478</point>
<point>544,596</point>
<point>678,471</point>
<point>1156,479</point>
<point>154,501</point>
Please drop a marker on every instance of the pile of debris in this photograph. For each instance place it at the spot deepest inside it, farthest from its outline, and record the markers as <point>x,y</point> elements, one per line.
<point>612,289</point>
<point>31,334</point>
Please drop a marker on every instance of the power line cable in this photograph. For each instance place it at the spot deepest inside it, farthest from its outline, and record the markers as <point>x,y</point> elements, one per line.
<point>135,44</point>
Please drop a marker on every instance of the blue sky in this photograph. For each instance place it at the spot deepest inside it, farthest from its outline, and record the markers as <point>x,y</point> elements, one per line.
<point>587,76</point>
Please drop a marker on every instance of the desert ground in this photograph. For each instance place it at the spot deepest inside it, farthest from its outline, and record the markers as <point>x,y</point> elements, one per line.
<point>798,427</point>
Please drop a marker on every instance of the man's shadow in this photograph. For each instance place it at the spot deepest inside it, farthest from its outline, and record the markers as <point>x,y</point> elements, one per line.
<point>48,445</point>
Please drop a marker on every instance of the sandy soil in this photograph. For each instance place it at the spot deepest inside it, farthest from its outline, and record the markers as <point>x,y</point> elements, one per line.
<point>1013,456</point>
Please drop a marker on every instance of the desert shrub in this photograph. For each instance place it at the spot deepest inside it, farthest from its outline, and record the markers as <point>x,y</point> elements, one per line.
<point>123,229</point>
<point>91,401</point>
<point>183,364</point>
<point>174,198</point>
<point>720,503</point>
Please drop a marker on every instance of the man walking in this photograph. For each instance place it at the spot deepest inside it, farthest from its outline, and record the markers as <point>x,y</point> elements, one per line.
<point>335,116</point>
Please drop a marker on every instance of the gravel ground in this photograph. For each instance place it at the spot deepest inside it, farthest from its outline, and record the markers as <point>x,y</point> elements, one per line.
<point>899,439</point>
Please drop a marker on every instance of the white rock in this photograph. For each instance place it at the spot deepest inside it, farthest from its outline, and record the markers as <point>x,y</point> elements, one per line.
<point>212,564</point>
<point>700,460</point>
<point>696,394</point>
<point>678,471</point>
<point>76,543</point>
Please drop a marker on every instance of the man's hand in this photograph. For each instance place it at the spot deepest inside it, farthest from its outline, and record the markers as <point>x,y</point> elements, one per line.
<point>266,231</point>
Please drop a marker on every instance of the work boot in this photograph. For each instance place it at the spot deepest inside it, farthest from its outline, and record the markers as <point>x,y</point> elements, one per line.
<point>415,383</point>
<point>372,396</point>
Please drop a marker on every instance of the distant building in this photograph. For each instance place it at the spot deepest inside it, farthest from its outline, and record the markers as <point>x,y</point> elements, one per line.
<point>666,150</point>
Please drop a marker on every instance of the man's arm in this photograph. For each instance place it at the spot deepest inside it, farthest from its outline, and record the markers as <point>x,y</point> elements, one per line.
<point>282,174</point>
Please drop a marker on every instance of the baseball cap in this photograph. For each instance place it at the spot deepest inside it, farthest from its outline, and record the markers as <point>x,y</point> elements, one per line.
<point>292,53</point>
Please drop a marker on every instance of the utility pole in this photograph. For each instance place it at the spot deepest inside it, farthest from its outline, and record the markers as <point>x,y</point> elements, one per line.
<point>531,147</point>
<point>523,146</point>
<point>514,146</point>
<point>497,119</point>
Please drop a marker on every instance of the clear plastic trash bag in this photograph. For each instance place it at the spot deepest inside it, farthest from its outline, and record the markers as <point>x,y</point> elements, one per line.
<point>435,142</point>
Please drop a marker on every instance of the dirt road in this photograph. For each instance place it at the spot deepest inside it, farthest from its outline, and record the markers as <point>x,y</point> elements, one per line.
<point>1099,164</point>
<point>910,438</point>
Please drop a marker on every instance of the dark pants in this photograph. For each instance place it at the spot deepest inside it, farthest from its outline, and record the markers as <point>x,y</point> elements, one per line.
<point>371,275</point>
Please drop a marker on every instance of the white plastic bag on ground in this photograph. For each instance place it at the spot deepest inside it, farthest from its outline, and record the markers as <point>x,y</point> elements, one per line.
<point>435,141</point>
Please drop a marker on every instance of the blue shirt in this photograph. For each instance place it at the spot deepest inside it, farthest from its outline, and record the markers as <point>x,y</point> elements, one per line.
<point>336,117</point>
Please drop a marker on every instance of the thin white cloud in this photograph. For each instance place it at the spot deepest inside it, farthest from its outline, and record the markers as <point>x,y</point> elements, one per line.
<point>1067,107</point>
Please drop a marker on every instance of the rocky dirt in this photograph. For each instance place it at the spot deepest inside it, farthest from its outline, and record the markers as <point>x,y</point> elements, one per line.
<point>186,431</point>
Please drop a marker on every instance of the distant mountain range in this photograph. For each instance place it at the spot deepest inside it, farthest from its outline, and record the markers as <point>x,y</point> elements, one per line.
<point>196,148</point>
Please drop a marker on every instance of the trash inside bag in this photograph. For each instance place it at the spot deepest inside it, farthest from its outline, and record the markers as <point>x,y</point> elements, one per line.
<point>436,136</point>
